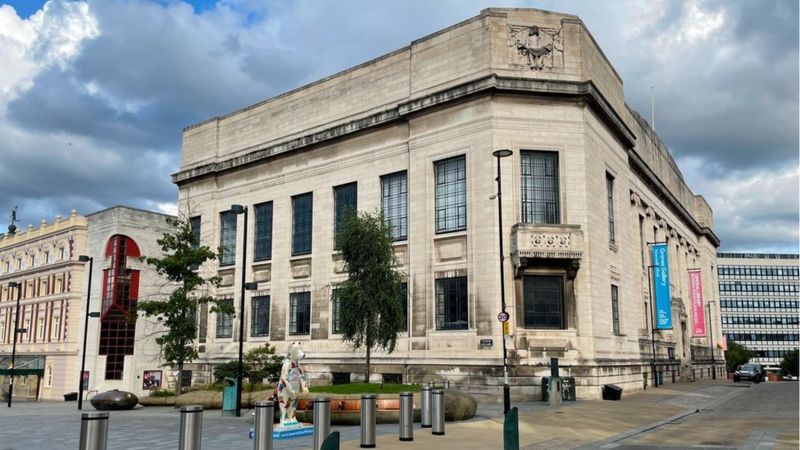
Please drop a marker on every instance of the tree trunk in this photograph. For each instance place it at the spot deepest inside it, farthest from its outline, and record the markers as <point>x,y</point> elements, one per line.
<point>366,369</point>
<point>178,383</point>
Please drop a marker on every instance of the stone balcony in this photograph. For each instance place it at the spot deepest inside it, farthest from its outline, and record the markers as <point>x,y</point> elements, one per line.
<point>556,244</point>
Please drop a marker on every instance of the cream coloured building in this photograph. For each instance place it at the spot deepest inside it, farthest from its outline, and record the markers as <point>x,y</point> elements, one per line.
<point>45,261</point>
<point>588,187</point>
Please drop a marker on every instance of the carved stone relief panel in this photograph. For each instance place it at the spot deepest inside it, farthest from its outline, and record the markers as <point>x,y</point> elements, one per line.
<point>535,48</point>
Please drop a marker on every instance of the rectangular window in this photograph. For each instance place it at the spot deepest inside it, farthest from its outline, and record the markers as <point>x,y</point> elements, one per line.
<point>194,224</point>
<point>404,303</point>
<point>345,203</point>
<point>540,190</point>
<point>302,209</point>
<point>451,194</point>
<point>451,304</point>
<point>263,238</point>
<point>300,312</point>
<point>615,308</point>
<point>227,238</point>
<point>259,315</point>
<point>394,203</point>
<point>544,301</point>
<point>225,321</point>
<point>335,313</point>
<point>610,198</point>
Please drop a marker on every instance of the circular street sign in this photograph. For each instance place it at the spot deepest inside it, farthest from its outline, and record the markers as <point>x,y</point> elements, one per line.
<point>503,316</point>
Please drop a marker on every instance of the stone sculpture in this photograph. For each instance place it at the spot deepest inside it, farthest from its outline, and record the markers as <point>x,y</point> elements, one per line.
<point>291,384</point>
<point>114,400</point>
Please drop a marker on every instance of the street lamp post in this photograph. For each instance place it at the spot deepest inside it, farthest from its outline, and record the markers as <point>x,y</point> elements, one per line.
<point>652,324</point>
<point>711,340</point>
<point>83,259</point>
<point>502,153</point>
<point>18,285</point>
<point>239,209</point>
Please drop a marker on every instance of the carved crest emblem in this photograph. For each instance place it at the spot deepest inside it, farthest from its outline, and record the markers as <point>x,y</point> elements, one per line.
<point>534,47</point>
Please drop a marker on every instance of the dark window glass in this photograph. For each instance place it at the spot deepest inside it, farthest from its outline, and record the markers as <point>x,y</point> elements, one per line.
<point>227,238</point>
<point>615,308</point>
<point>302,209</point>
<point>394,202</point>
<point>610,198</point>
<point>451,304</point>
<point>225,320</point>
<point>345,199</point>
<point>263,238</point>
<point>544,301</point>
<point>404,303</point>
<point>540,197</point>
<point>451,194</point>
<point>335,312</point>
<point>259,320</point>
<point>300,312</point>
<point>194,224</point>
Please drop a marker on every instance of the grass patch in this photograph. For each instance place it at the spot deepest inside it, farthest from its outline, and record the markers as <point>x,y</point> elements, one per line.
<point>366,388</point>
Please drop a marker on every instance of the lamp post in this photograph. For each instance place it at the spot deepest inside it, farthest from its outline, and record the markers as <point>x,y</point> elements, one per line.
<point>652,324</point>
<point>502,153</point>
<point>239,209</point>
<point>83,259</point>
<point>711,340</point>
<point>18,285</point>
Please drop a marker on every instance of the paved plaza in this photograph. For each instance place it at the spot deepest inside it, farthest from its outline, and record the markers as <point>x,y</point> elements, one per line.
<point>718,415</point>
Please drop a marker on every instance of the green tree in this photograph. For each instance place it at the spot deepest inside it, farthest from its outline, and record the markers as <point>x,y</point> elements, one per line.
<point>789,363</point>
<point>736,355</point>
<point>263,363</point>
<point>370,312</point>
<point>176,310</point>
<point>229,369</point>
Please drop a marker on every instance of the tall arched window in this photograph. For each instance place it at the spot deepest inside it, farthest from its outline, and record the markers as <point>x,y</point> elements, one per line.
<point>120,291</point>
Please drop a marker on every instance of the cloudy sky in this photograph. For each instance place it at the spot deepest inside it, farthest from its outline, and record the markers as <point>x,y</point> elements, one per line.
<point>94,95</point>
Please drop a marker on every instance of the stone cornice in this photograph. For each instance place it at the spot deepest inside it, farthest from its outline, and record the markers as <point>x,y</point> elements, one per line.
<point>641,169</point>
<point>582,91</point>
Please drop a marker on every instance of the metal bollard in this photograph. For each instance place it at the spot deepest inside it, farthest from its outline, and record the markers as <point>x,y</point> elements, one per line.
<point>94,431</point>
<point>425,415</point>
<point>368,421</point>
<point>322,420</point>
<point>406,416</point>
<point>265,412</point>
<point>191,427</point>
<point>438,413</point>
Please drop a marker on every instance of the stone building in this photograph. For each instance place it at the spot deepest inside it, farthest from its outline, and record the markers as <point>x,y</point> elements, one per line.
<point>45,261</point>
<point>760,303</point>
<point>588,187</point>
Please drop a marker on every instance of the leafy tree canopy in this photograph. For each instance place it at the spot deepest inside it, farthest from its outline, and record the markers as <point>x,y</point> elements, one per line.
<point>370,309</point>
<point>737,355</point>
<point>789,363</point>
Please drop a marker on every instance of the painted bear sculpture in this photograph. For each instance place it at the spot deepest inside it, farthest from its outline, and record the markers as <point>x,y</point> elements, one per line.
<point>291,384</point>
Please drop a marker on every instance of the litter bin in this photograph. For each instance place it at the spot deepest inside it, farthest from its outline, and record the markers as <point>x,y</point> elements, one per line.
<point>612,392</point>
<point>71,397</point>
<point>229,398</point>
<point>545,389</point>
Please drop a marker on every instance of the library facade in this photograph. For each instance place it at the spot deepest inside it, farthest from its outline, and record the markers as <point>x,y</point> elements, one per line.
<point>587,187</point>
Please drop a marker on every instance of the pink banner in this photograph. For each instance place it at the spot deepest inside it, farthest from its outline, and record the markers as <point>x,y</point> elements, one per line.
<point>696,296</point>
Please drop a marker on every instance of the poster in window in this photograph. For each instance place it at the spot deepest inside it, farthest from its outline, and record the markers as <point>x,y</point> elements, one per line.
<point>151,379</point>
<point>85,380</point>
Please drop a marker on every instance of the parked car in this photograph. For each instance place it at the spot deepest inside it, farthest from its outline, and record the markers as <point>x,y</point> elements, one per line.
<point>751,372</point>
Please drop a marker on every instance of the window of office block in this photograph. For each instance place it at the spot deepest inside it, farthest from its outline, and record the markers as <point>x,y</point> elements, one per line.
<point>452,305</point>
<point>227,238</point>
<point>263,235</point>
<point>225,320</point>
<point>345,204</point>
<point>300,313</point>
<point>544,301</point>
<point>394,203</point>
<point>451,194</point>
<point>259,315</point>
<point>540,187</point>
<point>302,223</point>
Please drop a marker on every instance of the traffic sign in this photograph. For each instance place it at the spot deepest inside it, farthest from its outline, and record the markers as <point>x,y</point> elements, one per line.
<point>503,316</point>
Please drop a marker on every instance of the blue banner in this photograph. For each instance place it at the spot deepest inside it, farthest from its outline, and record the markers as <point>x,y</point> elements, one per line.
<point>661,287</point>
